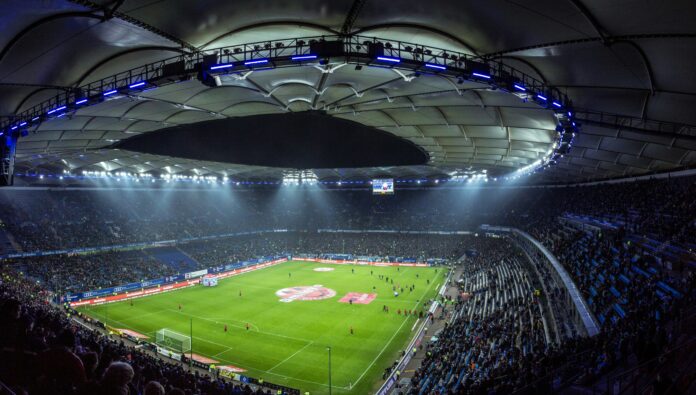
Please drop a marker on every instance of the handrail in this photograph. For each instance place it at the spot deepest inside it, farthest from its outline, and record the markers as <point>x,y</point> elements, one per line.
<point>5,390</point>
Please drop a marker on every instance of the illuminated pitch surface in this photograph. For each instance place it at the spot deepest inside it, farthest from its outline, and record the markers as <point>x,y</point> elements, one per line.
<point>287,340</point>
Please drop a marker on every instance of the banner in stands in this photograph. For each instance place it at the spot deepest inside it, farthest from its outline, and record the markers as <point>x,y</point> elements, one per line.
<point>152,244</point>
<point>393,231</point>
<point>384,261</point>
<point>359,262</point>
<point>123,288</point>
<point>134,246</point>
<point>196,274</point>
<point>136,294</point>
<point>145,288</point>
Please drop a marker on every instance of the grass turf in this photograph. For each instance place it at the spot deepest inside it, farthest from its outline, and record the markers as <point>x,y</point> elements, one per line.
<point>287,342</point>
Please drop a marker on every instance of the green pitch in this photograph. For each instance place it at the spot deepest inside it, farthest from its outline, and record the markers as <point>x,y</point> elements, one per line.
<point>286,342</point>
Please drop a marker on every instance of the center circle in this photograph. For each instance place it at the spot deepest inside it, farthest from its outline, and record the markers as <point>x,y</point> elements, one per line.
<point>305,292</point>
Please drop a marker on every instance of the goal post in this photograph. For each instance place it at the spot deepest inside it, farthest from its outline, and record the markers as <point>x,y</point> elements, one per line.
<point>174,341</point>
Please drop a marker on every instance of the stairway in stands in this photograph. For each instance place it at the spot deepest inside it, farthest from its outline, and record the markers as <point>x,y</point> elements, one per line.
<point>174,258</point>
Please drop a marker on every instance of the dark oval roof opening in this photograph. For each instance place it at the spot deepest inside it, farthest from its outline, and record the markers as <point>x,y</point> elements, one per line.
<point>306,140</point>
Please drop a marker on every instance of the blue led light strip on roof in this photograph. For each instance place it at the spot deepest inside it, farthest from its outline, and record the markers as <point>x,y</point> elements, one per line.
<point>388,59</point>
<point>56,110</point>
<point>486,76</point>
<point>222,66</point>
<point>304,57</point>
<point>435,66</point>
<point>255,61</point>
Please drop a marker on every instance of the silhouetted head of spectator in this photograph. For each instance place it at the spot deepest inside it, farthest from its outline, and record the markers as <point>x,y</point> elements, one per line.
<point>153,388</point>
<point>176,391</point>
<point>11,309</point>
<point>65,338</point>
<point>90,360</point>
<point>117,377</point>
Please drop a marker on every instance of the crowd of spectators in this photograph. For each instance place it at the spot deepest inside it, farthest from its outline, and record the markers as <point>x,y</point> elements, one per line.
<point>634,290</point>
<point>44,351</point>
<point>241,248</point>
<point>73,273</point>
<point>637,301</point>
<point>497,333</point>
<point>64,274</point>
<point>45,220</point>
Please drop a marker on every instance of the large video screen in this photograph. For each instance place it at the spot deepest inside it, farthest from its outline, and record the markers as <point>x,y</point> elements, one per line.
<point>383,186</point>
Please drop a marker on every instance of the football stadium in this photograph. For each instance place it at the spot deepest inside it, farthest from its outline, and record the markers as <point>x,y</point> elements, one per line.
<point>347,197</point>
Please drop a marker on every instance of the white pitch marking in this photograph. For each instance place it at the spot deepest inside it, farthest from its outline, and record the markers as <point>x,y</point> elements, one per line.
<point>389,342</point>
<point>414,325</point>
<point>286,359</point>
<point>276,374</point>
<point>257,330</point>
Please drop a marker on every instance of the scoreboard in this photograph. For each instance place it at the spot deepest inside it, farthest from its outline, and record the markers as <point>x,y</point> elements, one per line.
<point>383,186</point>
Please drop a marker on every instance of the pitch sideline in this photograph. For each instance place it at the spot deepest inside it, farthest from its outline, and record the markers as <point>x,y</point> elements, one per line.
<point>390,340</point>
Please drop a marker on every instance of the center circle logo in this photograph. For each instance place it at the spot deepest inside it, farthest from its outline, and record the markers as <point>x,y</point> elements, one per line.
<point>305,292</point>
<point>323,269</point>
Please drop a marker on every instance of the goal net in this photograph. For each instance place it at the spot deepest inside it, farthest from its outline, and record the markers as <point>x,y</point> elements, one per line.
<point>172,340</point>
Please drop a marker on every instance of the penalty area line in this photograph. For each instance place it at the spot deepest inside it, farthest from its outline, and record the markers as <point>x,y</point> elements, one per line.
<point>251,325</point>
<point>271,373</point>
<point>288,358</point>
<point>217,356</point>
<point>237,326</point>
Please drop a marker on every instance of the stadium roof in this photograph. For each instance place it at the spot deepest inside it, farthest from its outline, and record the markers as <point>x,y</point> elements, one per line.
<point>626,66</point>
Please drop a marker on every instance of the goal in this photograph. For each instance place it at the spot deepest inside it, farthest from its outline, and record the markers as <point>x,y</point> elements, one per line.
<point>174,341</point>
